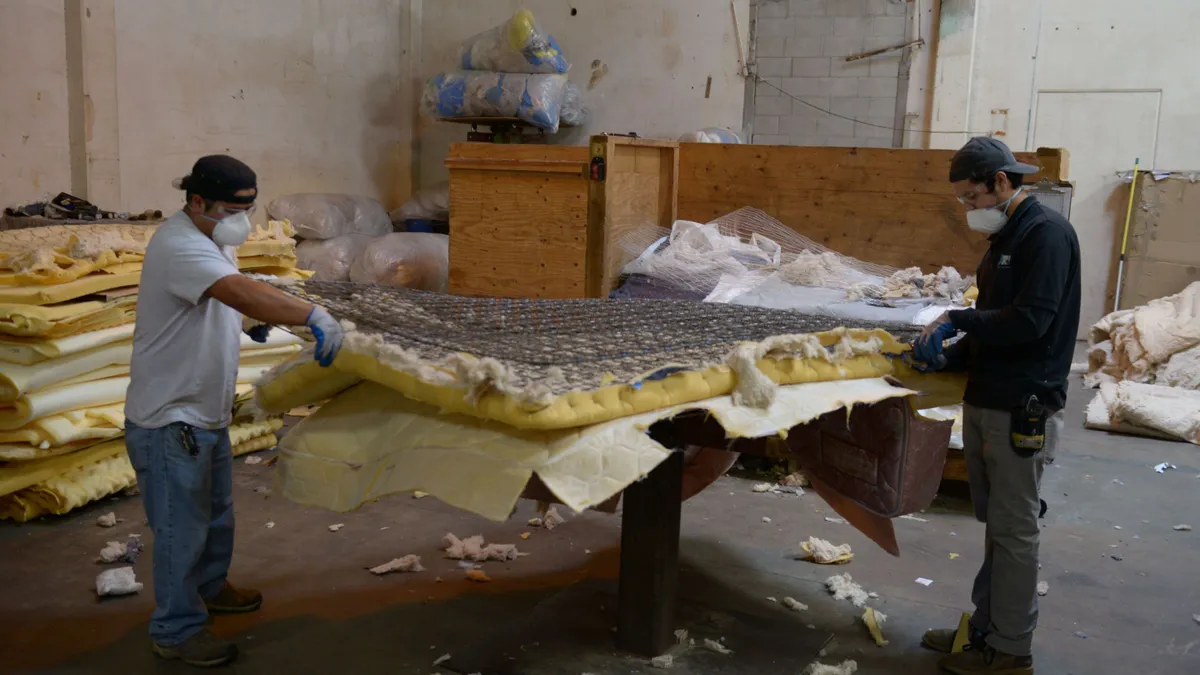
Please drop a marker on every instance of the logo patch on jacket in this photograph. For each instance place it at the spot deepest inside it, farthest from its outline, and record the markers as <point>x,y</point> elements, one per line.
<point>1005,260</point>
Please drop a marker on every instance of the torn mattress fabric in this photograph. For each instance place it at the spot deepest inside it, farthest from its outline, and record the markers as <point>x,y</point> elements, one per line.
<point>1146,410</point>
<point>370,441</point>
<point>559,364</point>
<point>1156,343</point>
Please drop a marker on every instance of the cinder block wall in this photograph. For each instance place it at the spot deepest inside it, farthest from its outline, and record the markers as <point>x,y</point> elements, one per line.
<point>801,48</point>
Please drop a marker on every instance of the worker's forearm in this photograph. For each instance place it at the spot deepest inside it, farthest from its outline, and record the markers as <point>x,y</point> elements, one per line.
<point>261,301</point>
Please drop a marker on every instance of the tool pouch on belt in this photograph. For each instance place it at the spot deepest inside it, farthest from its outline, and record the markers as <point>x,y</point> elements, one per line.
<point>1027,430</point>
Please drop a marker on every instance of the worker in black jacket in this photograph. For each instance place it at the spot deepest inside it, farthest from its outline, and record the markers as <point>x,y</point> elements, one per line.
<point>1016,348</point>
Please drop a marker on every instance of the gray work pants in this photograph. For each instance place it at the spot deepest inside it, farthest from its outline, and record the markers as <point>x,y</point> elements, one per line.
<point>1004,490</point>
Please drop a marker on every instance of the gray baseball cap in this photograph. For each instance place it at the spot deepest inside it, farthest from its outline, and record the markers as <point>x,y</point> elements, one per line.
<point>985,155</point>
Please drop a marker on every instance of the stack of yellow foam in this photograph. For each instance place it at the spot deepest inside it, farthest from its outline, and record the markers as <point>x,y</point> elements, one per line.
<point>67,301</point>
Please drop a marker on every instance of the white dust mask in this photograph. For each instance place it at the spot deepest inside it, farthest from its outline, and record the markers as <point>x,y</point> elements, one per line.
<point>991,220</point>
<point>232,230</point>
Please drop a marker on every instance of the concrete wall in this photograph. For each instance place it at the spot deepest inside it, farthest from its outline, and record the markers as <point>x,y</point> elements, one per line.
<point>113,99</point>
<point>658,55</point>
<point>1104,82</point>
<point>801,48</point>
<point>34,142</point>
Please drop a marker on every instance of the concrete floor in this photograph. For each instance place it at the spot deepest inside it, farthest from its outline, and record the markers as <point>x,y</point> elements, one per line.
<point>325,613</point>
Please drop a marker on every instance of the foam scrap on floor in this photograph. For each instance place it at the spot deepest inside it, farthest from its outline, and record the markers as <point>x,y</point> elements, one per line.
<point>409,563</point>
<point>845,668</point>
<point>717,647</point>
<point>107,520</point>
<point>474,548</point>
<point>794,605</point>
<point>874,619</point>
<point>843,587</point>
<point>823,552</point>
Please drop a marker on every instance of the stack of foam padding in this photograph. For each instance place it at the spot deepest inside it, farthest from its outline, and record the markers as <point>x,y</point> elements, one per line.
<point>68,295</point>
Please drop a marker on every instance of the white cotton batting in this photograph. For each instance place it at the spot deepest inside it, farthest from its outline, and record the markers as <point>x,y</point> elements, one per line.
<point>825,552</point>
<point>845,668</point>
<point>843,587</point>
<point>409,563</point>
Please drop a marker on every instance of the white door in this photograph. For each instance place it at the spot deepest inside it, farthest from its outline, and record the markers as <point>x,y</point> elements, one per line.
<point>1104,131</point>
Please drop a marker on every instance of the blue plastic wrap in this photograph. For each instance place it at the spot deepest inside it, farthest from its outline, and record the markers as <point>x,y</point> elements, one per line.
<point>519,45</point>
<point>535,99</point>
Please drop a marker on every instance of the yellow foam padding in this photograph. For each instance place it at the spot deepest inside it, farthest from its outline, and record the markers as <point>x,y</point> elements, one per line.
<point>17,380</point>
<point>306,382</point>
<point>47,402</point>
<point>936,389</point>
<point>370,441</point>
<point>118,276</point>
<point>20,475</point>
<point>971,294</point>
<point>33,322</point>
<point>27,352</point>
<point>292,273</point>
<point>76,488</point>
<point>60,268</point>
<point>249,431</point>
<point>255,444</point>
<point>87,424</point>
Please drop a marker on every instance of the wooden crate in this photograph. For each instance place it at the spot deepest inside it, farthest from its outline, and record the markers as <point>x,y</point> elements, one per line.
<point>518,220</point>
<point>529,222</point>
<point>634,184</point>
<point>892,207</point>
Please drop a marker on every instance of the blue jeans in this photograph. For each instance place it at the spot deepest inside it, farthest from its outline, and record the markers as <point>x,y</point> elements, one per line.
<point>185,475</point>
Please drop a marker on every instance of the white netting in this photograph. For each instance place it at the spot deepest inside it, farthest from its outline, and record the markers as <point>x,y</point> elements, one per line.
<point>748,257</point>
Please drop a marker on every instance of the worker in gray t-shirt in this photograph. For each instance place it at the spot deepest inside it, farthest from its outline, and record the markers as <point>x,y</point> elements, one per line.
<point>183,374</point>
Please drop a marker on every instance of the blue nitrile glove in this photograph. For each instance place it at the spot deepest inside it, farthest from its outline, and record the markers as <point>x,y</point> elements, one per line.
<point>929,345</point>
<point>259,333</point>
<point>328,333</point>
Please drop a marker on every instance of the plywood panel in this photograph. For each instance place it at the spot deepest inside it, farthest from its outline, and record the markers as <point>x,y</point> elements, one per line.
<point>893,207</point>
<point>518,224</point>
<point>638,189</point>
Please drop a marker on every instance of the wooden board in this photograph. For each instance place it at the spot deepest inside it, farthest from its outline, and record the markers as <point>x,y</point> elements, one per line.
<point>893,207</point>
<point>639,188</point>
<point>518,220</point>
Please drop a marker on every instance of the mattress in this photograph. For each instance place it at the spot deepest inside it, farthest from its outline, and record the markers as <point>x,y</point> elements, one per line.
<point>371,441</point>
<point>560,364</point>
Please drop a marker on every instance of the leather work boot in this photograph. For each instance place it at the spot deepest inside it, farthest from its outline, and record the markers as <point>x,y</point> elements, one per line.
<point>942,639</point>
<point>986,661</point>
<point>233,600</point>
<point>203,650</point>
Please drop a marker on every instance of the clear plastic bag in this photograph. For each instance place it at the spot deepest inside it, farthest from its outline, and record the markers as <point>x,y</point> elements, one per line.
<point>711,135</point>
<point>431,203</point>
<point>325,216</point>
<point>330,259</point>
<point>535,99</point>
<point>417,260</point>
<point>518,45</point>
<point>573,113</point>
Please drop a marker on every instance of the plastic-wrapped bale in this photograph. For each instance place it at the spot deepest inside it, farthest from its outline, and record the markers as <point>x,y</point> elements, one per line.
<point>535,99</point>
<point>330,259</point>
<point>416,260</point>
<point>519,45</point>
<point>325,216</point>
<point>573,113</point>
<point>710,135</point>
<point>431,203</point>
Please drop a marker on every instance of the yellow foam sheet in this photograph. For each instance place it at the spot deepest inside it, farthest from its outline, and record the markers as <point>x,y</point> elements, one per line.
<point>72,426</point>
<point>57,254</point>
<point>302,382</point>
<point>370,441</point>
<point>17,380</point>
<point>20,475</point>
<point>31,322</point>
<point>27,352</point>
<point>47,402</point>
<point>118,276</point>
<point>63,493</point>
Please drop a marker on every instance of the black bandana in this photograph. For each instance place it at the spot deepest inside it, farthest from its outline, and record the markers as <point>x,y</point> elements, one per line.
<point>219,177</point>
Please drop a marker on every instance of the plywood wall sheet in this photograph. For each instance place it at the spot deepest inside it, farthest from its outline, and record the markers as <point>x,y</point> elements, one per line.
<point>893,207</point>
<point>518,224</point>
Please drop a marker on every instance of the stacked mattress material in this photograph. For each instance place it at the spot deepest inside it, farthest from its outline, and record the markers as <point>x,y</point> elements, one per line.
<point>68,294</point>
<point>468,398</point>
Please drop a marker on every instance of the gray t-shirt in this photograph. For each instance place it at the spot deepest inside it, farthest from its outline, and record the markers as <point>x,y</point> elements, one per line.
<point>185,344</point>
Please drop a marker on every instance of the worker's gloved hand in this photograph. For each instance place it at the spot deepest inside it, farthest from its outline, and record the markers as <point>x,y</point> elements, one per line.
<point>259,333</point>
<point>928,346</point>
<point>328,333</point>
